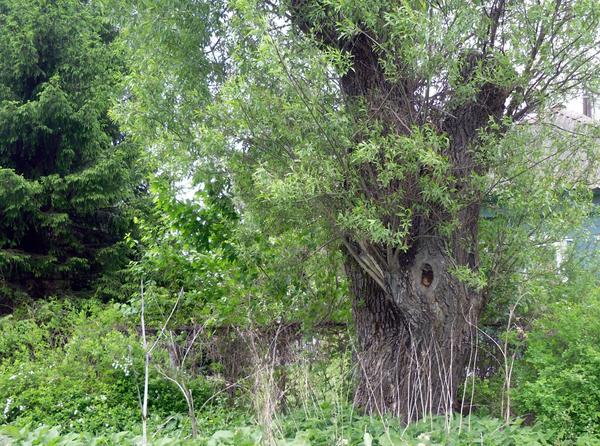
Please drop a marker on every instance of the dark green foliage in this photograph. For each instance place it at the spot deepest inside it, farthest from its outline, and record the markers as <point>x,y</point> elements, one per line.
<point>66,173</point>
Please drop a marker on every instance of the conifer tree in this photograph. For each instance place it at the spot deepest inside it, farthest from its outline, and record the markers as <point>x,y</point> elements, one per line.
<point>67,174</point>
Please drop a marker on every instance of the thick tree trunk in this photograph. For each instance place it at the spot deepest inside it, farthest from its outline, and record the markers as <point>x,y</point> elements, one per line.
<point>414,319</point>
<point>414,339</point>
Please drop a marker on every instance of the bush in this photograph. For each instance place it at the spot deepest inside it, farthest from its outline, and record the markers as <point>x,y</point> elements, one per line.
<point>560,375</point>
<point>78,367</point>
<point>71,368</point>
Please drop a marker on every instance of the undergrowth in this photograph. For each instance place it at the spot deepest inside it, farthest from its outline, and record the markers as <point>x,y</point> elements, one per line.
<point>326,428</point>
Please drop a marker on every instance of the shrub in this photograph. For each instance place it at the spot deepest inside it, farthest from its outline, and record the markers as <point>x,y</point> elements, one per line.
<point>560,376</point>
<point>72,368</point>
<point>78,366</point>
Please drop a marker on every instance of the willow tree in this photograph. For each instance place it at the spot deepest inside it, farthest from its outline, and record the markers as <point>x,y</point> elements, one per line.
<point>381,120</point>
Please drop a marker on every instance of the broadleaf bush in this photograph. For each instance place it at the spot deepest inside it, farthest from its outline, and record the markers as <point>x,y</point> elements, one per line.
<point>560,373</point>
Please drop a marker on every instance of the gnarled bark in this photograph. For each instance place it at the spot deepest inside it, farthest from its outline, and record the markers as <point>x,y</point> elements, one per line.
<point>415,337</point>
<point>414,319</point>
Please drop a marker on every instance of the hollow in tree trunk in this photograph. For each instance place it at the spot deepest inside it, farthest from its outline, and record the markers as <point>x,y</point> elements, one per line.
<point>414,337</point>
<point>414,318</point>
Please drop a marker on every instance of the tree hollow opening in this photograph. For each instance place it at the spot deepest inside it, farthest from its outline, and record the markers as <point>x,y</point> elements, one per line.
<point>426,275</point>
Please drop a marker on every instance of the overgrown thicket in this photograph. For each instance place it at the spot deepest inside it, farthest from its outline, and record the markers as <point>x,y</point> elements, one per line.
<point>298,223</point>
